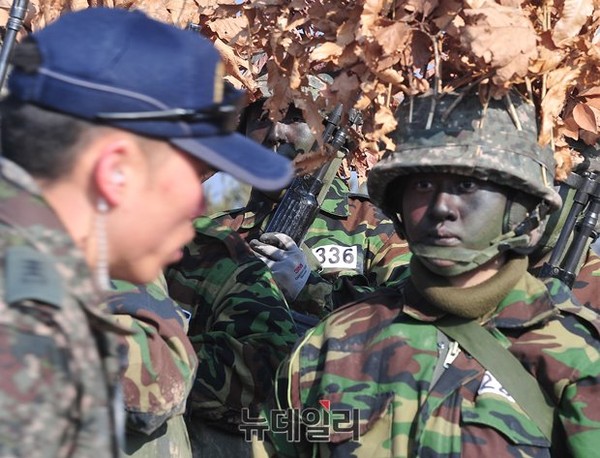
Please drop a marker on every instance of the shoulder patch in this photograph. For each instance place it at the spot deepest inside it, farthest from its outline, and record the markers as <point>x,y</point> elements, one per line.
<point>31,275</point>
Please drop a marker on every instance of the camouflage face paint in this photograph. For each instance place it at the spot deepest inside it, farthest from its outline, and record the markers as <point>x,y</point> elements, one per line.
<point>289,137</point>
<point>452,212</point>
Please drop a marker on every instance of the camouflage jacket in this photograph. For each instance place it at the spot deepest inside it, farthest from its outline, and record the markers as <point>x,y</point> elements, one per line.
<point>355,244</point>
<point>586,288</point>
<point>240,328</point>
<point>161,365</point>
<point>374,361</point>
<point>60,369</point>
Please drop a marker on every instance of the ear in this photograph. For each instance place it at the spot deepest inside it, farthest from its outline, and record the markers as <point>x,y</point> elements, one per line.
<point>112,169</point>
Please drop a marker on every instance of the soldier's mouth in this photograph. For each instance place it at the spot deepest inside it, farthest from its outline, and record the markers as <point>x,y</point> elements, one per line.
<point>442,238</point>
<point>445,241</point>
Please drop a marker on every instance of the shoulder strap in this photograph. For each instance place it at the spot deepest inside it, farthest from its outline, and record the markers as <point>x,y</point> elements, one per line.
<point>509,371</point>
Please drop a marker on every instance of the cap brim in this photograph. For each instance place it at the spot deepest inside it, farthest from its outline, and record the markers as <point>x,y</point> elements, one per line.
<point>242,158</point>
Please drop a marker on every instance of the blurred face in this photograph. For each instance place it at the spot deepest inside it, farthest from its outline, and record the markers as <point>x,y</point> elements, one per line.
<point>149,229</point>
<point>289,137</point>
<point>445,210</point>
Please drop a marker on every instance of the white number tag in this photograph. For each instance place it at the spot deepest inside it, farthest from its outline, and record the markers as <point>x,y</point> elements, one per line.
<point>336,256</point>
<point>490,384</point>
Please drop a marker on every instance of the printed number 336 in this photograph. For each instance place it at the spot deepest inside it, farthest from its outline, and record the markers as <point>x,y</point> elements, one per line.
<point>336,256</point>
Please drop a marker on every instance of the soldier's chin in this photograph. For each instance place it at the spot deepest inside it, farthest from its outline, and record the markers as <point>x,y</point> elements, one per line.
<point>442,267</point>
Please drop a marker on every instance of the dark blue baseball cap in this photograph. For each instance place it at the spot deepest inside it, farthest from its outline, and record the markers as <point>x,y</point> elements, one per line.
<point>123,69</point>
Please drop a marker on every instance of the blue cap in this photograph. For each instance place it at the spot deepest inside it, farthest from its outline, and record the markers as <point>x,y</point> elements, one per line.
<point>124,69</point>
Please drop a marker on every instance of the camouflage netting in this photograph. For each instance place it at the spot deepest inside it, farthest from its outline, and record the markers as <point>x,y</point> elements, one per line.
<point>381,51</point>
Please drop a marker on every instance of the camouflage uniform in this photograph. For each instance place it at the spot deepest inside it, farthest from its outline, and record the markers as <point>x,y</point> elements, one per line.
<point>365,354</point>
<point>414,390</point>
<point>160,369</point>
<point>587,284</point>
<point>586,288</point>
<point>354,242</point>
<point>60,369</point>
<point>240,328</point>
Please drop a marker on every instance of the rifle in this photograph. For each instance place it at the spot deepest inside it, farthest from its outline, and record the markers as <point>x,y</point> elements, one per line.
<point>300,203</point>
<point>579,226</point>
<point>16,16</point>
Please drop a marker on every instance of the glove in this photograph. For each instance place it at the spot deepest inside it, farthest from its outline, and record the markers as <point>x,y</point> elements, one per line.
<point>286,260</point>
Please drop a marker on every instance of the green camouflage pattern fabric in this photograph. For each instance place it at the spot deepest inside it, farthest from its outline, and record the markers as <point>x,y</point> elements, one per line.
<point>586,288</point>
<point>58,346</point>
<point>160,370</point>
<point>170,440</point>
<point>378,356</point>
<point>478,142</point>
<point>241,327</point>
<point>354,242</point>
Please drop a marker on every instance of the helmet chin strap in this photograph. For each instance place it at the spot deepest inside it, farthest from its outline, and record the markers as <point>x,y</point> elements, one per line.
<point>519,240</point>
<point>466,259</point>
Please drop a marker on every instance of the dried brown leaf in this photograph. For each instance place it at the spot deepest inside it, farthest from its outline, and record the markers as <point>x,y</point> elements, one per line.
<point>383,50</point>
<point>344,83</point>
<point>593,102</point>
<point>326,52</point>
<point>371,13</point>
<point>564,158</point>
<point>589,138</point>
<point>552,103</point>
<point>590,92</point>
<point>575,13</point>
<point>585,118</point>
<point>229,28</point>
<point>392,38</point>
<point>232,66</point>
<point>549,56</point>
<point>570,129</point>
<point>502,37</point>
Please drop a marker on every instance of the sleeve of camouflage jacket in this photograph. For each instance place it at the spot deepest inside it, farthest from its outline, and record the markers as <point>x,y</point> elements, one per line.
<point>241,327</point>
<point>161,361</point>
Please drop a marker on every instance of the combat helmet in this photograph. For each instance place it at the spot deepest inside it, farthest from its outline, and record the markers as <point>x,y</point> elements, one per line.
<point>494,141</point>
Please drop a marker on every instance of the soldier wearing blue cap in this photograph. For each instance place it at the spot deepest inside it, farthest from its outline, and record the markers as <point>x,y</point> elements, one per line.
<point>111,121</point>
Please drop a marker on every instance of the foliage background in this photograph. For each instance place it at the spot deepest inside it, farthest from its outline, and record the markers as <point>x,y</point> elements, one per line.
<point>382,51</point>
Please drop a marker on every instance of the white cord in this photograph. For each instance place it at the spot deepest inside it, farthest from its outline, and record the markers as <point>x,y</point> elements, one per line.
<point>102,276</point>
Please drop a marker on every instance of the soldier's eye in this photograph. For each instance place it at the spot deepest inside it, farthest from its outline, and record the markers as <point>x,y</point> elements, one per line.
<point>422,185</point>
<point>468,186</point>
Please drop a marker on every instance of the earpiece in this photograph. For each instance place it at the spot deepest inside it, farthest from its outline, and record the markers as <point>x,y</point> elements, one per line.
<point>101,205</point>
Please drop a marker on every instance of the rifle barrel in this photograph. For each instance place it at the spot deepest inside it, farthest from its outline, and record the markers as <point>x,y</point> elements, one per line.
<point>13,25</point>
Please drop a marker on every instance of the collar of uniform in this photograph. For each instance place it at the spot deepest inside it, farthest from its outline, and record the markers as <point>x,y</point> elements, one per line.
<point>18,176</point>
<point>527,304</point>
<point>417,307</point>
<point>37,224</point>
<point>336,198</point>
